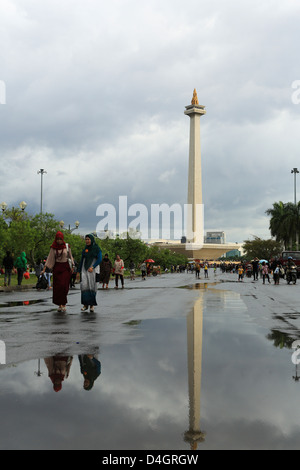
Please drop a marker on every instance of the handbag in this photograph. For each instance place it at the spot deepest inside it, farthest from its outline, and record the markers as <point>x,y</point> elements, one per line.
<point>69,258</point>
<point>42,282</point>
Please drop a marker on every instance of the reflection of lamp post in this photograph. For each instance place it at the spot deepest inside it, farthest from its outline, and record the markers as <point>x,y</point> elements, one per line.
<point>42,172</point>
<point>38,373</point>
<point>77,223</point>
<point>295,171</point>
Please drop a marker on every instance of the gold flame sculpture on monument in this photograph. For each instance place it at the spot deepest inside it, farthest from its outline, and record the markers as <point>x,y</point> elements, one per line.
<point>195,97</point>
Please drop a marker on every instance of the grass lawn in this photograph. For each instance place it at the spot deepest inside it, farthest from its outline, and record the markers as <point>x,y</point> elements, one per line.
<point>14,280</point>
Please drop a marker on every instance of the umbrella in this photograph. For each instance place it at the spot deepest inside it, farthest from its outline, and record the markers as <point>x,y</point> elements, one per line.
<point>263,261</point>
<point>149,261</point>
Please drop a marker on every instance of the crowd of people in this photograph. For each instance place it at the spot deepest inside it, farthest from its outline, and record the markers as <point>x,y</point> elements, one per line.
<point>19,266</point>
<point>60,269</point>
<point>264,270</point>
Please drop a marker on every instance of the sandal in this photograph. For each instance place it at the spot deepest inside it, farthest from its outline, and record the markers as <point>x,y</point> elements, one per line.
<point>92,309</point>
<point>84,308</point>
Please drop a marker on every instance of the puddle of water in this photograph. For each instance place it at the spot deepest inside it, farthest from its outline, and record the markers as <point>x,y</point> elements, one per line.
<point>199,285</point>
<point>24,303</point>
<point>211,379</point>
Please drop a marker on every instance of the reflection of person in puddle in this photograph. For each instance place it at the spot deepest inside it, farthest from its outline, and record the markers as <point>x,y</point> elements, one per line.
<point>58,369</point>
<point>90,368</point>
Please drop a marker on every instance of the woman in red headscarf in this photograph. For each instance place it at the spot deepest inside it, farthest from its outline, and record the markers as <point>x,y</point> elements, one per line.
<point>58,260</point>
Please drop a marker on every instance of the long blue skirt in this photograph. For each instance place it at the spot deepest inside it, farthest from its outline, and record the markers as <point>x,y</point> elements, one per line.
<point>88,287</point>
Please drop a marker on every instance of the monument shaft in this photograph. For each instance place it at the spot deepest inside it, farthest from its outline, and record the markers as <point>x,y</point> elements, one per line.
<point>195,111</point>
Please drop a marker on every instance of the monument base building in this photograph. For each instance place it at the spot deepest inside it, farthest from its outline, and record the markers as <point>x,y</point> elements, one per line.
<point>208,251</point>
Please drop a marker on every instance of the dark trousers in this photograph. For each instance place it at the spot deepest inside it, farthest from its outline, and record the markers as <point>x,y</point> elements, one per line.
<point>117,279</point>
<point>20,275</point>
<point>7,276</point>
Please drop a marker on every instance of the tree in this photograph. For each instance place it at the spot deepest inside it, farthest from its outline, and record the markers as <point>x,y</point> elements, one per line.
<point>277,228</point>
<point>291,221</point>
<point>32,234</point>
<point>136,250</point>
<point>285,223</point>
<point>15,231</point>
<point>165,257</point>
<point>3,238</point>
<point>129,249</point>
<point>77,244</point>
<point>43,229</point>
<point>262,249</point>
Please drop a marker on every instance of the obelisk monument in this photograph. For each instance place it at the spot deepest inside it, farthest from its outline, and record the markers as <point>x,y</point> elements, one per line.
<point>195,229</point>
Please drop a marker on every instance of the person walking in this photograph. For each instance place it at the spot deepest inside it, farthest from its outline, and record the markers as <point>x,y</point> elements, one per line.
<point>21,265</point>
<point>48,275</point>
<point>91,257</point>
<point>132,270</point>
<point>240,273</point>
<point>206,270</point>
<point>118,270</point>
<point>265,272</point>
<point>73,276</point>
<point>38,268</point>
<point>255,267</point>
<point>61,261</point>
<point>8,264</point>
<point>143,269</point>
<point>276,274</point>
<point>105,271</point>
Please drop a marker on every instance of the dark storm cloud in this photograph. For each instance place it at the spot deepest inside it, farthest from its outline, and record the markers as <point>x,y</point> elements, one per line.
<point>97,92</point>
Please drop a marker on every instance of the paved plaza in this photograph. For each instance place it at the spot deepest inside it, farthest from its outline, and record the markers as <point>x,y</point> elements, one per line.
<point>241,391</point>
<point>31,327</point>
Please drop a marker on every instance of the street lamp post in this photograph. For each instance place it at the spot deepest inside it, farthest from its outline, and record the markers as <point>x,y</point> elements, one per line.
<point>70,230</point>
<point>23,205</point>
<point>295,171</point>
<point>3,207</point>
<point>41,172</point>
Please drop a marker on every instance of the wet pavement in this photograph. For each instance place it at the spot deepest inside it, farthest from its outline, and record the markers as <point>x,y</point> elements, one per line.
<point>167,363</point>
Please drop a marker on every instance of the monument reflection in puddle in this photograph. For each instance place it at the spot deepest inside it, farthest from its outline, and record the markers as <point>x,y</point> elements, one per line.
<point>194,435</point>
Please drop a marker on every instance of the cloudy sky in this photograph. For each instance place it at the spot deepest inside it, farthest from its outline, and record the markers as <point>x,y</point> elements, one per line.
<point>94,92</point>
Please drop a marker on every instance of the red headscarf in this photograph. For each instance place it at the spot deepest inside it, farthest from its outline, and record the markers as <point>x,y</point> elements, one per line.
<point>55,245</point>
